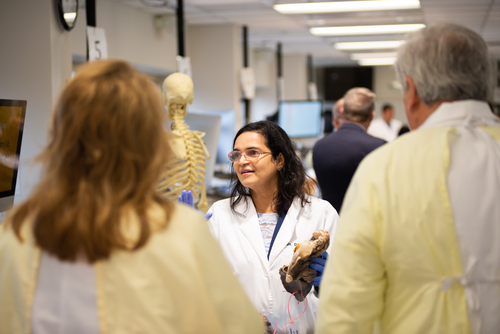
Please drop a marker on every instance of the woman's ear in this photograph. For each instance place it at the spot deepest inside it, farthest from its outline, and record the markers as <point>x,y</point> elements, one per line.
<point>280,161</point>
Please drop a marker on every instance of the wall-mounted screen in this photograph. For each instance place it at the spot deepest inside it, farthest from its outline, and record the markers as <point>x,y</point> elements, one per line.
<point>300,118</point>
<point>12,113</point>
<point>226,135</point>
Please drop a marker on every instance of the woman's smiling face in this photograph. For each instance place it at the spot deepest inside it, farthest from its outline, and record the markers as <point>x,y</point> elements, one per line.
<point>261,173</point>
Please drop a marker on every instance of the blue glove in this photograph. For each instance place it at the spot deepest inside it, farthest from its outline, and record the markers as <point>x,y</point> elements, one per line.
<point>318,264</point>
<point>186,197</point>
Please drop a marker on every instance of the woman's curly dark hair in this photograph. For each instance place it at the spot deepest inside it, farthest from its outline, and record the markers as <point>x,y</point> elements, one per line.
<point>291,178</point>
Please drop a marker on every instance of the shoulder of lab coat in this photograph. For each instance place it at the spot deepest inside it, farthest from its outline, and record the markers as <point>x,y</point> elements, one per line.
<point>316,209</point>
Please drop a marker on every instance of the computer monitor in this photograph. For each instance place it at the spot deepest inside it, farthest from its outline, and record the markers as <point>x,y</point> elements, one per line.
<point>300,119</point>
<point>227,133</point>
<point>12,113</point>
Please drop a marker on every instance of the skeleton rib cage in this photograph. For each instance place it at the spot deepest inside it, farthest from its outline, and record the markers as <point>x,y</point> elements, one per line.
<point>186,172</point>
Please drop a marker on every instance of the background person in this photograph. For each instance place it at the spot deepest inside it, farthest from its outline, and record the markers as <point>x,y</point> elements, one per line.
<point>95,248</point>
<point>337,155</point>
<point>418,244</point>
<point>268,214</point>
<point>385,127</point>
<point>338,114</point>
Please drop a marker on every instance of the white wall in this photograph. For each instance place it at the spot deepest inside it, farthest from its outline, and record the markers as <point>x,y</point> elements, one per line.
<point>216,60</point>
<point>263,62</point>
<point>131,35</point>
<point>294,76</point>
<point>35,62</point>
<point>385,86</point>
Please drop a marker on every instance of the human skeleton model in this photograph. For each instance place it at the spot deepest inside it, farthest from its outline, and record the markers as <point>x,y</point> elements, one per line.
<point>186,168</point>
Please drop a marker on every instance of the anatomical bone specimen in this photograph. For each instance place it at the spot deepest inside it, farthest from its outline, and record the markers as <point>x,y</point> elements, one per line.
<point>186,168</point>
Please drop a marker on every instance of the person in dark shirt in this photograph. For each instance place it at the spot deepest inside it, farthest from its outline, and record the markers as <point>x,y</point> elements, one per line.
<point>337,155</point>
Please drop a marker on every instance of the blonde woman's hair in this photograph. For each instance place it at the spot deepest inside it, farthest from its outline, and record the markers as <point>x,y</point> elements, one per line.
<point>104,159</point>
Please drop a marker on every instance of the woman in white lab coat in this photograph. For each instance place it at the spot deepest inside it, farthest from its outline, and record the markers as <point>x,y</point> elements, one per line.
<point>268,214</point>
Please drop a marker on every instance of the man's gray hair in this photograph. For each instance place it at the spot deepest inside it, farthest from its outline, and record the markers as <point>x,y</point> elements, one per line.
<point>446,62</point>
<point>337,107</point>
<point>359,103</point>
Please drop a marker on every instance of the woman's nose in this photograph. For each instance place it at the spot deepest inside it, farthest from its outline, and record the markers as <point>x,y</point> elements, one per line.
<point>243,159</point>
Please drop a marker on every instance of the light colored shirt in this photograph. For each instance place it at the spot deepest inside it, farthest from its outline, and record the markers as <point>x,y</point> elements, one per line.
<point>380,129</point>
<point>267,223</point>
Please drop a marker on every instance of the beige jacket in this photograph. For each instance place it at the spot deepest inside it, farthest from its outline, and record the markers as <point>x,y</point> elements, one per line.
<point>396,255</point>
<point>179,282</point>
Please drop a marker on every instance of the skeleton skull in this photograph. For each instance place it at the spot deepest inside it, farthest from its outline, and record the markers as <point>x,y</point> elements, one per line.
<point>177,92</point>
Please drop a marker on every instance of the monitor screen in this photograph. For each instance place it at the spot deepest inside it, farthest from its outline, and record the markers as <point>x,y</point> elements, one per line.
<point>300,118</point>
<point>12,114</point>
<point>226,135</point>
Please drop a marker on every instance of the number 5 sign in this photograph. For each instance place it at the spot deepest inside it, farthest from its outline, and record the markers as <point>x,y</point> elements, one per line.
<point>96,44</point>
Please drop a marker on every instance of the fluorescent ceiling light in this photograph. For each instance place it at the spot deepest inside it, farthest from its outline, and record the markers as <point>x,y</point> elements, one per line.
<point>345,6</point>
<point>376,61</point>
<point>358,56</point>
<point>368,45</point>
<point>365,30</point>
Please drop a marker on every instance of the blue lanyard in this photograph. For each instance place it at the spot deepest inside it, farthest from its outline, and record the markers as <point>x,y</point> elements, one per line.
<point>276,230</point>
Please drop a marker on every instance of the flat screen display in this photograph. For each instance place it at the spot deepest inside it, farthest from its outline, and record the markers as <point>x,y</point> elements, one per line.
<point>300,118</point>
<point>12,113</point>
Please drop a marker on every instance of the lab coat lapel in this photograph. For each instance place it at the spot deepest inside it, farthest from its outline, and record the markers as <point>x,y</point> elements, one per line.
<point>286,232</point>
<point>249,226</point>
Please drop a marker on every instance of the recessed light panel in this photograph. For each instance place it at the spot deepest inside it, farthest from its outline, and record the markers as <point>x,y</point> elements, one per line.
<point>365,30</point>
<point>345,6</point>
<point>375,45</point>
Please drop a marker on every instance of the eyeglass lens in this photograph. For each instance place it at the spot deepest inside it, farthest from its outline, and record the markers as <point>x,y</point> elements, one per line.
<point>249,154</point>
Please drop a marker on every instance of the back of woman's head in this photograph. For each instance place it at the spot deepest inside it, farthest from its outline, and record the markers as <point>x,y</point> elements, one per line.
<point>107,130</point>
<point>106,152</point>
<point>291,178</point>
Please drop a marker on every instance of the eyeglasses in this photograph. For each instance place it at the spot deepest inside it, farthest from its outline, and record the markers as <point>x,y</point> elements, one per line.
<point>249,155</point>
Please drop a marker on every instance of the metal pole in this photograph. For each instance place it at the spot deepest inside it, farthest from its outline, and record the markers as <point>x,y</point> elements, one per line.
<point>245,46</point>
<point>91,22</point>
<point>245,64</point>
<point>280,83</point>
<point>90,10</point>
<point>309,74</point>
<point>278,54</point>
<point>180,27</point>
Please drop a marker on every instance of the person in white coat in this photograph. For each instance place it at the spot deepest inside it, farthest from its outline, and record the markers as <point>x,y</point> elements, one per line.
<point>385,127</point>
<point>267,215</point>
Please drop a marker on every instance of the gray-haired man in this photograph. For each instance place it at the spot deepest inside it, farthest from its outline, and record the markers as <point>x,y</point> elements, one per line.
<point>418,243</point>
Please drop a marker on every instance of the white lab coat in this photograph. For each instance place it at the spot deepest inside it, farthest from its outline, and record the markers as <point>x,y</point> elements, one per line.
<point>380,129</point>
<point>241,241</point>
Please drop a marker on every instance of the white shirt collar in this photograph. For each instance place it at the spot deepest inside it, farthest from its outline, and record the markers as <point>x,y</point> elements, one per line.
<point>464,112</point>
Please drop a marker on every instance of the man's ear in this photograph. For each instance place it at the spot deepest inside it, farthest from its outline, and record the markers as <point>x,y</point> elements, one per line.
<point>411,100</point>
